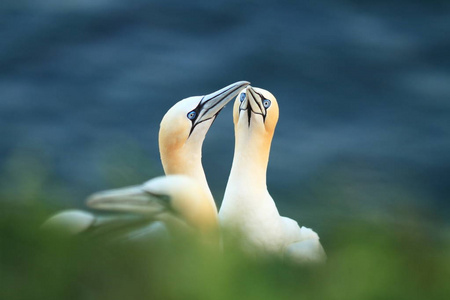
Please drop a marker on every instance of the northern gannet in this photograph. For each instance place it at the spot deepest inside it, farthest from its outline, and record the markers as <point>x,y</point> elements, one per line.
<point>182,131</point>
<point>247,206</point>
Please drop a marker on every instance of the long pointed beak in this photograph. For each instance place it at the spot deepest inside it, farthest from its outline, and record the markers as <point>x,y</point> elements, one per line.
<point>211,104</point>
<point>251,103</point>
<point>131,200</point>
<point>254,101</point>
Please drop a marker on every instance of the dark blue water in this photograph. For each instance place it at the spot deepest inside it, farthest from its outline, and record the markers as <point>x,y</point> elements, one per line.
<point>363,89</point>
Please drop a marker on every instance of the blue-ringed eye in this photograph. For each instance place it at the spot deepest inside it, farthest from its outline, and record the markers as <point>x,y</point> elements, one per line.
<point>242,97</point>
<point>191,115</point>
<point>266,103</point>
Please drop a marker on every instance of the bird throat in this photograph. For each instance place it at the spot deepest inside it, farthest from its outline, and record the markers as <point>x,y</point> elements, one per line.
<point>186,161</point>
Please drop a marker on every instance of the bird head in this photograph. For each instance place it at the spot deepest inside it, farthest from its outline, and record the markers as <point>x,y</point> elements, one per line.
<point>255,112</point>
<point>188,121</point>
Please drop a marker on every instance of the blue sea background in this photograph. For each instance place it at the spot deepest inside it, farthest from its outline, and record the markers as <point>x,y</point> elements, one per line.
<point>363,89</point>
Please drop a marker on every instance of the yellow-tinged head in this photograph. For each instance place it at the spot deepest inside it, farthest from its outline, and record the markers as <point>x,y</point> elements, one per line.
<point>185,125</point>
<point>255,114</point>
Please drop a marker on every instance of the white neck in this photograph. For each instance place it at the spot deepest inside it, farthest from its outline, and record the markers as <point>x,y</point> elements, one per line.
<point>250,164</point>
<point>187,160</point>
<point>246,188</point>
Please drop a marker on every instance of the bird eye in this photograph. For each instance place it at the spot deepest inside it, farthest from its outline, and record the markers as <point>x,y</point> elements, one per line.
<point>242,97</point>
<point>266,103</point>
<point>191,115</point>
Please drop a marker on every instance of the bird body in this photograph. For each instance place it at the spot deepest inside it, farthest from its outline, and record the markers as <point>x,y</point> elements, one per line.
<point>247,206</point>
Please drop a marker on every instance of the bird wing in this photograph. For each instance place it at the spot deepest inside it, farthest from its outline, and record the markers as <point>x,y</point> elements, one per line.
<point>302,243</point>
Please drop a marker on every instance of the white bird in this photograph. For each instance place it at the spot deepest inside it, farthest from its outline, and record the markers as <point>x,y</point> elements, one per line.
<point>181,135</point>
<point>247,207</point>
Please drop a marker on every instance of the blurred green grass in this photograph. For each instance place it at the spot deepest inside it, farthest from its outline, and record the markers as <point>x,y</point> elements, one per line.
<point>367,259</point>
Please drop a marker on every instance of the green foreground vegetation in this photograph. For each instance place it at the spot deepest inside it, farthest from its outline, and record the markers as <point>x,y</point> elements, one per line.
<point>365,261</point>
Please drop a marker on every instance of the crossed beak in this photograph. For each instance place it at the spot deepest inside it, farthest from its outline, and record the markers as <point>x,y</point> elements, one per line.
<point>212,104</point>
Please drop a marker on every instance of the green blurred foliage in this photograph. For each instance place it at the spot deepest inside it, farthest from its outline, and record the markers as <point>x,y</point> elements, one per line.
<point>26,179</point>
<point>367,258</point>
<point>126,163</point>
<point>365,261</point>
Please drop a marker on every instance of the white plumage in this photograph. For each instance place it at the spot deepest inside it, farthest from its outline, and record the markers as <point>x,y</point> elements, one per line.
<point>183,200</point>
